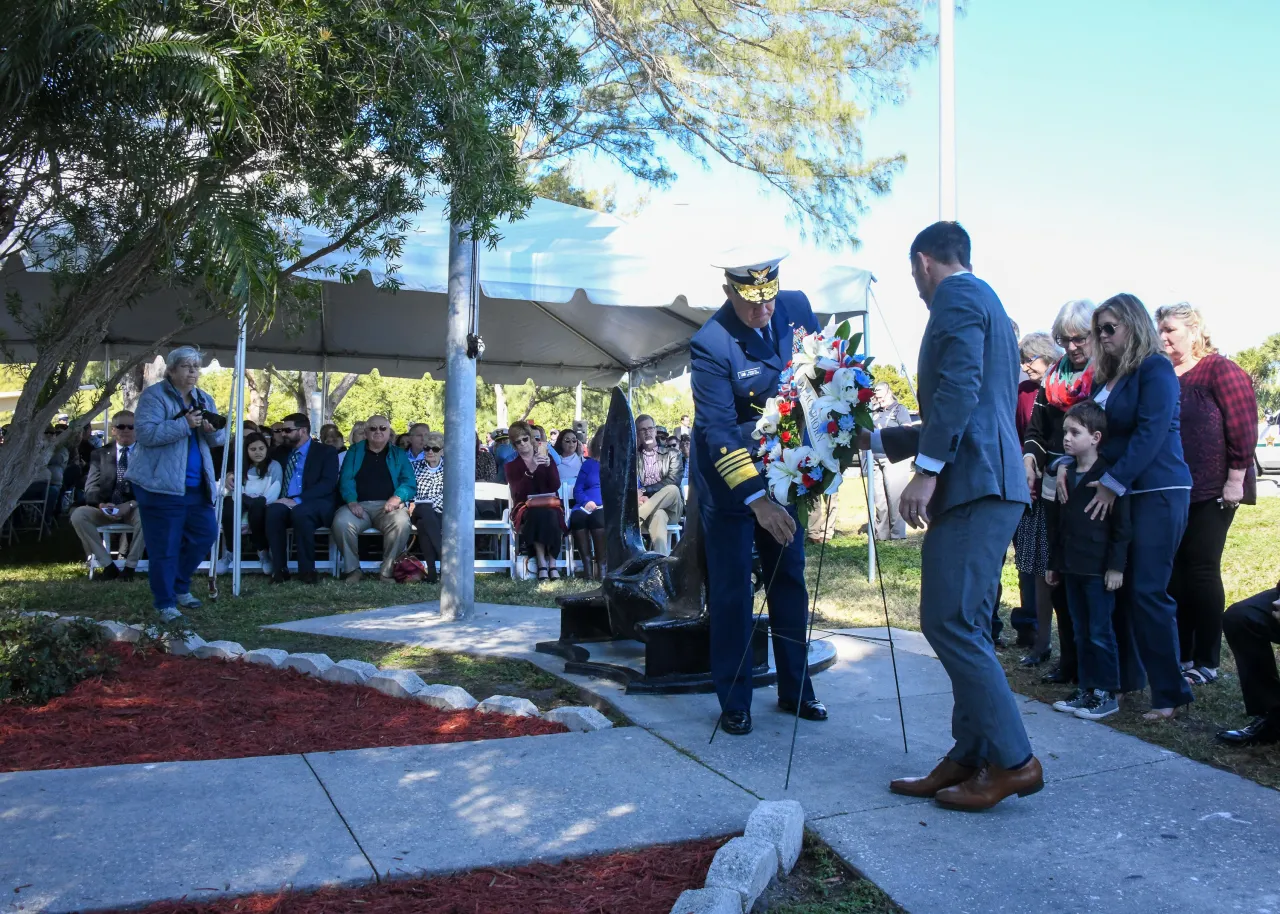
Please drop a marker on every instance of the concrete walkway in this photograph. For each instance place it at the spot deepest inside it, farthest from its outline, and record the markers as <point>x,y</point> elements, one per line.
<point>1122,825</point>
<point>128,835</point>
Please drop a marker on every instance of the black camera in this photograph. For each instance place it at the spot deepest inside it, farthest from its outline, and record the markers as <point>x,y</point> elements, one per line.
<point>218,422</point>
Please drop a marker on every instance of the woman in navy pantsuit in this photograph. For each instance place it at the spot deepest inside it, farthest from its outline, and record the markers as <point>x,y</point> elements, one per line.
<point>1135,382</point>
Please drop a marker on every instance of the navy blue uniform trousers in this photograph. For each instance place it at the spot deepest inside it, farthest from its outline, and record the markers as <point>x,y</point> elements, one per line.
<point>728,536</point>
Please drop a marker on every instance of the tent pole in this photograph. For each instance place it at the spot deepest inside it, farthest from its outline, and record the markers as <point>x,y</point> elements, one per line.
<point>577,404</point>
<point>324,391</point>
<point>947,109</point>
<point>871,473</point>
<point>458,578</point>
<point>238,392</point>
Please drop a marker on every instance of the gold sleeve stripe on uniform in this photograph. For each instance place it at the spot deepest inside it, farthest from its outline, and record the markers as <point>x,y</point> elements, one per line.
<point>732,463</point>
<point>730,469</point>
<point>742,474</point>
<point>737,456</point>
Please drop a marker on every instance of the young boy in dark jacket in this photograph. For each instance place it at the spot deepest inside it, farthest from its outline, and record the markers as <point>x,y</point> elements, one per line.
<point>1088,556</point>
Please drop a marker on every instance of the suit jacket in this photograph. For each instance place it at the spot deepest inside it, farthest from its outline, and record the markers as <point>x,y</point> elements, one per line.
<point>732,373</point>
<point>1078,544</point>
<point>968,390</point>
<point>670,468</point>
<point>1143,443</point>
<point>101,482</point>
<point>319,473</point>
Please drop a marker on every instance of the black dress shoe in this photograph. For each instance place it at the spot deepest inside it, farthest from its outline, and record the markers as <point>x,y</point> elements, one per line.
<point>1263,731</point>
<point>809,710</point>
<point>1026,637</point>
<point>279,577</point>
<point>1036,659</point>
<point>736,723</point>
<point>128,574</point>
<point>308,577</point>
<point>1056,676</point>
<point>108,572</point>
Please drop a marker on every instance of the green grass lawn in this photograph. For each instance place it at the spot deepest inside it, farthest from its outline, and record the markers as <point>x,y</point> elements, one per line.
<point>49,576</point>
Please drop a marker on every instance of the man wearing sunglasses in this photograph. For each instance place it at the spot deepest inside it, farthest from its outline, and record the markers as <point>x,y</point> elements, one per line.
<point>306,497</point>
<point>109,500</point>
<point>376,484</point>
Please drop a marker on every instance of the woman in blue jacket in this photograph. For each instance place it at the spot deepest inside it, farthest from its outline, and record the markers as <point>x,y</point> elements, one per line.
<point>174,480</point>
<point>1135,382</point>
<point>587,519</point>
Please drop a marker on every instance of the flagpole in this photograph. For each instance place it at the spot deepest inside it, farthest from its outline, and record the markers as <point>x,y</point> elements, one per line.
<point>947,205</point>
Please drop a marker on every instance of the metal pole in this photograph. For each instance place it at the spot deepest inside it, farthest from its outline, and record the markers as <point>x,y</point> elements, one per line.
<point>458,578</point>
<point>239,431</point>
<point>324,391</point>
<point>577,406</point>
<point>871,472</point>
<point>946,110</point>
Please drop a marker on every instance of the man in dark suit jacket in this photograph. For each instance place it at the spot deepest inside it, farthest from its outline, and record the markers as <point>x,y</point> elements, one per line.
<point>734,362</point>
<point>308,497</point>
<point>969,487</point>
<point>109,500</point>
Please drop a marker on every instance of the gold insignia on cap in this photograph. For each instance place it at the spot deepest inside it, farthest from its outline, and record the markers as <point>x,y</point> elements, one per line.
<point>761,276</point>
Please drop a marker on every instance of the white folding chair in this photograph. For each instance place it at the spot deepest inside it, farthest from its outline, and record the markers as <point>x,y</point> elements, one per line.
<point>499,530</point>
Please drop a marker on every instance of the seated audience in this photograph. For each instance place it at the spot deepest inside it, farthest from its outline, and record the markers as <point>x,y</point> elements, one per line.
<point>1252,626</point>
<point>426,456</point>
<point>376,484</point>
<point>1219,431</point>
<point>570,460</point>
<point>586,521</point>
<point>332,436</point>
<point>58,459</point>
<point>308,496</point>
<point>487,469</point>
<point>540,441</point>
<point>686,441</point>
<point>503,452</point>
<point>109,500</point>
<point>540,526</point>
<point>259,487</point>
<point>357,432</point>
<point>1088,556</point>
<point>660,474</point>
<point>402,441</point>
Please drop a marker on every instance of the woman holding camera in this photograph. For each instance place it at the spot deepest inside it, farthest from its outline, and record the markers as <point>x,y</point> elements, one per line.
<point>174,480</point>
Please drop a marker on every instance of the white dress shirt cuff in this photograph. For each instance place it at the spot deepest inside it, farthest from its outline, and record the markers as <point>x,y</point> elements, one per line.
<point>752,497</point>
<point>932,464</point>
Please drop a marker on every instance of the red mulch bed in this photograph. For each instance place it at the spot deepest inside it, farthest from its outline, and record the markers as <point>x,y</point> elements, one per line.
<point>159,708</point>
<point>632,882</point>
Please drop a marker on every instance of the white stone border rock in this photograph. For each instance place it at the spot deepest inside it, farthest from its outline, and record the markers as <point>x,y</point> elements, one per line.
<point>404,684</point>
<point>745,866</point>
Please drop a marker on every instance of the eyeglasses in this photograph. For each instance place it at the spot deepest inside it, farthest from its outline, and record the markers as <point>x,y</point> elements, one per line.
<point>521,440</point>
<point>1065,341</point>
<point>1107,329</point>
<point>434,450</point>
<point>125,428</point>
<point>377,428</point>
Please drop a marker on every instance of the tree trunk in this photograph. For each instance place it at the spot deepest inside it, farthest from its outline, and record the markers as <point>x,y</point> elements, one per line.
<point>337,393</point>
<point>259,383</point>
<point>131,387</point>
<point>500,399</point>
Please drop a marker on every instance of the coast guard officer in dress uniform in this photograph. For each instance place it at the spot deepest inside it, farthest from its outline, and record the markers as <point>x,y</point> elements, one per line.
<point>735,361</point>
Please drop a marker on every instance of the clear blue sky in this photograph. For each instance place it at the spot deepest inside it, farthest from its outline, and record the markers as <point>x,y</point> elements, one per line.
<point>1103,146</point>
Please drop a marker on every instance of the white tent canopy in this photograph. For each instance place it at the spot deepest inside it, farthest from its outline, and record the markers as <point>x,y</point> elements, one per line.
<point>540,310</point>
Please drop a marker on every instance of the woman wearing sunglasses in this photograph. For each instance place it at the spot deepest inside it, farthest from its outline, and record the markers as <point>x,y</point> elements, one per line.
<point>536,511</point>
<point>1136,384</point>
<point>426,456</point>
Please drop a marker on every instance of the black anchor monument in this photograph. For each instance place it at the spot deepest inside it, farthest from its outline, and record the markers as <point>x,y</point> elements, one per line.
<point>656,600</point>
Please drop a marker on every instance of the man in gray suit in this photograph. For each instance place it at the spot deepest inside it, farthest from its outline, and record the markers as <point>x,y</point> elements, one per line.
<point>969,488</point>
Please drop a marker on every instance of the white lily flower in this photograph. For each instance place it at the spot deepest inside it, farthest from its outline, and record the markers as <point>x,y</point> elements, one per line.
<point>843,384</point>
<point>769,420</point>
<point>785,474</point>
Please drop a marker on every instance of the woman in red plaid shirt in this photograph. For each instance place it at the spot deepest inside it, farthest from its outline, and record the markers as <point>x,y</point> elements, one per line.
<point>1219,434</point>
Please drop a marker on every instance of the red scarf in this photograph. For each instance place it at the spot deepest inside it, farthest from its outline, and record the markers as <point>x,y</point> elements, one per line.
<point>1065,386</point>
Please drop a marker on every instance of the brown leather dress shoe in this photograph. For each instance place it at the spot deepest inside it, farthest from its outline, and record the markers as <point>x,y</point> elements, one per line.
<point>946,774</point>
<point>991,785</point>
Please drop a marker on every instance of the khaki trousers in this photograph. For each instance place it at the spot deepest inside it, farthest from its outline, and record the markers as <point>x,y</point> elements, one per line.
<point>86,519</point>
<point>393,525</point>
<point>666,506</point>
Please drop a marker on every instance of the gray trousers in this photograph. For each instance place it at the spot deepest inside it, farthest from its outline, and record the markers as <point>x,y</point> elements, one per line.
<point>86,520</point>
<point>394,526</point>
<point>960,560</point>
<point>891,479</point>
